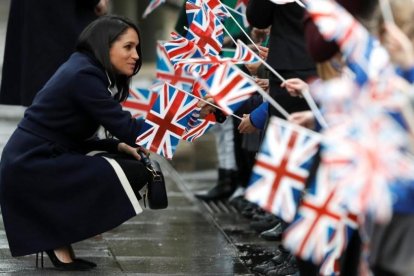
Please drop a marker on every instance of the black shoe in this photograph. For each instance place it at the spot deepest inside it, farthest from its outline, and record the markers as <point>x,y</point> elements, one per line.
<point>75,265</point>
<point>287,268</point>
<point>264,267</point>
<point>251,210</point>
<point>91,264</point>
<point>264,222</point>
<point>241,204</point>
<point>73,256</point>
<point>279,258</point>
<point>275,233</point>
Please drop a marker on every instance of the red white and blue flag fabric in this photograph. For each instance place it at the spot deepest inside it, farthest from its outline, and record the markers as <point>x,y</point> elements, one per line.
<point>206,31</point>
<point>322,226</point>
<point>218,9</point>
<point>166,72</point>
<point>167,120</point>
<point>180,50</point>
<point>241,7</point>
<point>282,167</point>
<point>152,6</point>
<point>215,5</point>
<point>228,86</point>
<point>139,102</point>
<point>382,93</point>
<point>242,55</point>
<point>191,9</point>
<point>197,127</point>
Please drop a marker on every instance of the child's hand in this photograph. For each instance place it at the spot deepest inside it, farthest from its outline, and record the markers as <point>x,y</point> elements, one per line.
<point>398,45</point>
<point>263,83</point>
<point>295,86</point>
<point>303,118</point>
<point>205,107</point>
<point>245,125</point>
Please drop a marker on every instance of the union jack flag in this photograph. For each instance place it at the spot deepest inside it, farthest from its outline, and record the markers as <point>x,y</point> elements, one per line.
<point>218,9</point>
<point>197,127</point>
<point>180,50</point>
<point>320,229</point>
<point>244,54</point>
<point>139,102</point>
<point>215,5</point>
<point>228,86</point>
<point>282,167</point>
<point>152,6</point>
<point>165,71</point>
<point>167,120</point>
<point>241,7</point>
<point>324,224</point>
<point>206,31</point>
<point>191,9</point>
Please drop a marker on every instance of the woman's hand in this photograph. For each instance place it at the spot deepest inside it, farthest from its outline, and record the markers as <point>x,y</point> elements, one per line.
<point>295,86</point>
<point>245,125</point>
<point>303,118</point>
<point>127,149</point>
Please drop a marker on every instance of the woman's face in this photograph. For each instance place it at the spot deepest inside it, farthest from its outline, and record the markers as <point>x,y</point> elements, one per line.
<point>123,53</point>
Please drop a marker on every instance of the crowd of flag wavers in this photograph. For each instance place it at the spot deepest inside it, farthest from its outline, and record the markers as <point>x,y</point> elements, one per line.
<point>342,169</point>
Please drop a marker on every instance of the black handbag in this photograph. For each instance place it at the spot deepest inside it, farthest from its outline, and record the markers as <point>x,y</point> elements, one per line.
<point>156,194</point>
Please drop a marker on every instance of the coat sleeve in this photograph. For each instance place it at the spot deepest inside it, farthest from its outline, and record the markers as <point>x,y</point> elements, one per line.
<point>90,94</point>
<point>259,13</point>
<point>259,115</point>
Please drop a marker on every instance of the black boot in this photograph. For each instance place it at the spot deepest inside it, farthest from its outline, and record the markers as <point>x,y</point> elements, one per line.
<point>226,185</point>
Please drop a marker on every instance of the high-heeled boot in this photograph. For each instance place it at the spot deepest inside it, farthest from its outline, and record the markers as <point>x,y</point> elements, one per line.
<point>226,185</point>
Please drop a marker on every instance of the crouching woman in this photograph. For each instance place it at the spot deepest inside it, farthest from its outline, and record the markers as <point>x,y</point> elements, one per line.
<point>58,183</point>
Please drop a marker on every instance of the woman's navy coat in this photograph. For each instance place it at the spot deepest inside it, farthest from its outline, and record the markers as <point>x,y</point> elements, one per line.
<point>51,193</point>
